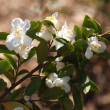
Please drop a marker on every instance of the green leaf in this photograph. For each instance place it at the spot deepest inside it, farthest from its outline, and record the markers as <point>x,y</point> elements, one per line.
<point>80,44</point>
<point>13,104</point>
<point>66,102</point>
<point>2,85</point>
<point>104,54</point>
<point>3,35</point>
<point>35,27</point>
<point>94,86</point>
<point>11,60</point>
<point>78,32</point>
<point>16,93</point>
<point>66,49</point>
<point>84,80</point>
<point>66,71</point>
<point>42,51</point>
<point>100,30</point>
<point>10,74</point>
<point>33,86</point>
<point>42,88</point>
<point>4,66</point>
<point>22,72</point>
<point>85,21</point>
<point>53,93</point>
<point>4,49</point>
<point>35,107</point>
<point>104,40</point>
<point>78,99</point>
<point>88,31</point>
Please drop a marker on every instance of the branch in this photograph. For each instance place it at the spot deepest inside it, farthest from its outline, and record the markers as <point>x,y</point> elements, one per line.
<point>22,79</point>
<point>105,34</point>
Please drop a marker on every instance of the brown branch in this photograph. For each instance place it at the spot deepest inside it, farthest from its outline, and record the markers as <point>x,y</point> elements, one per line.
<point>22,79</point>
<point>105,34</point>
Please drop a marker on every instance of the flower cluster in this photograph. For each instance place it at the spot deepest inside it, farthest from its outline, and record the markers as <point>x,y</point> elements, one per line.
<point>54,81</point>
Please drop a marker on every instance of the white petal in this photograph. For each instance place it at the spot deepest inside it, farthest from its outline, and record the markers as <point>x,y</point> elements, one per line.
<point>17,22</point>
<point>55,14</point>
<point>26,40</point>
<point>57,44</point>
<point>67,87</point>
<point>12,42</point>
<point>88,53</point>
<point>26,26</point>
<point>64,27</point>
<point>53,76</point>
<point>45,35</point>
<point>49,83</point>
<point>66,79</point>
<point>92,39</point>
<point>18,108</point>
<point>103,47</point>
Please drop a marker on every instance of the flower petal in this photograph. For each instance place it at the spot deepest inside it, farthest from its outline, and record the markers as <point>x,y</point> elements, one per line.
<point>66,79</point>
<point>26,40</point>
<point>67,87</point>
<point>55,14</point>
<point>18,108</point>
<point>12,42</point>
<point>57,44</point>
<point>49,83</point>
<point>88,53</point>
<point>17,22</point>
<point>53,76</point>
<point>103,47</point>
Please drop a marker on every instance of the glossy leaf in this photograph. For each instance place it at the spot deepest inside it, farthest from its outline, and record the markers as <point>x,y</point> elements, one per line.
<point>42,51</point>
<point>78,32</point>
<point>66,71</point>
<point>16,93</point>
<point>88,31</point>
<point>33,86</point>
<point>104,40</point>
<point>53,93</point>
<point>66,102</point>
<point>3,84</point>
<point>78,99</point>
<point>3,35</point>
<point>35,107</point>
<point>4,66</point>
<point>22,72</point>
<point>13,104</point>
<point>12,60</point>
<point>94,86</point>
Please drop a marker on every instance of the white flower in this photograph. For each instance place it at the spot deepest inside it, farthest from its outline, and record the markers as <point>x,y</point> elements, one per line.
<point>53,18</point>
<point>18,35</point>
<point>50,81</point>
<point>63,83</point>
<point>66,34</point>
<point>94,46</point>
<point>46,32</point>
<point>18,108</point>
<point>54,81</point>
<point>23,50</point>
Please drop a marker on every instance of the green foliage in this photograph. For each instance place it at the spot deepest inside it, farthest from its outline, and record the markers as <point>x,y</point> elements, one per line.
<point>42,51</point>
<point>3,84</point>
<point>53,93</point>
<point>4,66</point>
<point>22,72</point>
<point>3,35</point>
<point>30,89</point>
<point>35,107</point>
<point>94,86</point>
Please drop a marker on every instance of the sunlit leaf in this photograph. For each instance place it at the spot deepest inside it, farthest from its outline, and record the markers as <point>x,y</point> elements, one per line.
<point>3,84</point>
<point>3,35</point>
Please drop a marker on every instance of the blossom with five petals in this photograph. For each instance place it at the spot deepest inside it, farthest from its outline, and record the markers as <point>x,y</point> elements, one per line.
<point>54,81</point>
<point>94,46</point>
<point>18,35</point>
<point>66,34</point>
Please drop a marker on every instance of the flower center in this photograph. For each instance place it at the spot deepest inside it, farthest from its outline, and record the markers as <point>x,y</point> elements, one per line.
<point>70,33</point>
<point>96,47</point>
<point>50,18</point>
<point>17,32</point>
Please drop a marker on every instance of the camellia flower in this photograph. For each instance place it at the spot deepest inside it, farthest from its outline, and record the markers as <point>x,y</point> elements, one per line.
<point>53,18</point>
<point>50,81</point>
<point>94,46</point>
<point>18,35</point>
<point>18,108</point>
<point>54,81</point>
<point>23,50</point>
<point>66,34</point>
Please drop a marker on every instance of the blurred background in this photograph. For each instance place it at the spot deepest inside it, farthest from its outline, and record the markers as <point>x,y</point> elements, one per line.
<point>72,11</point>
